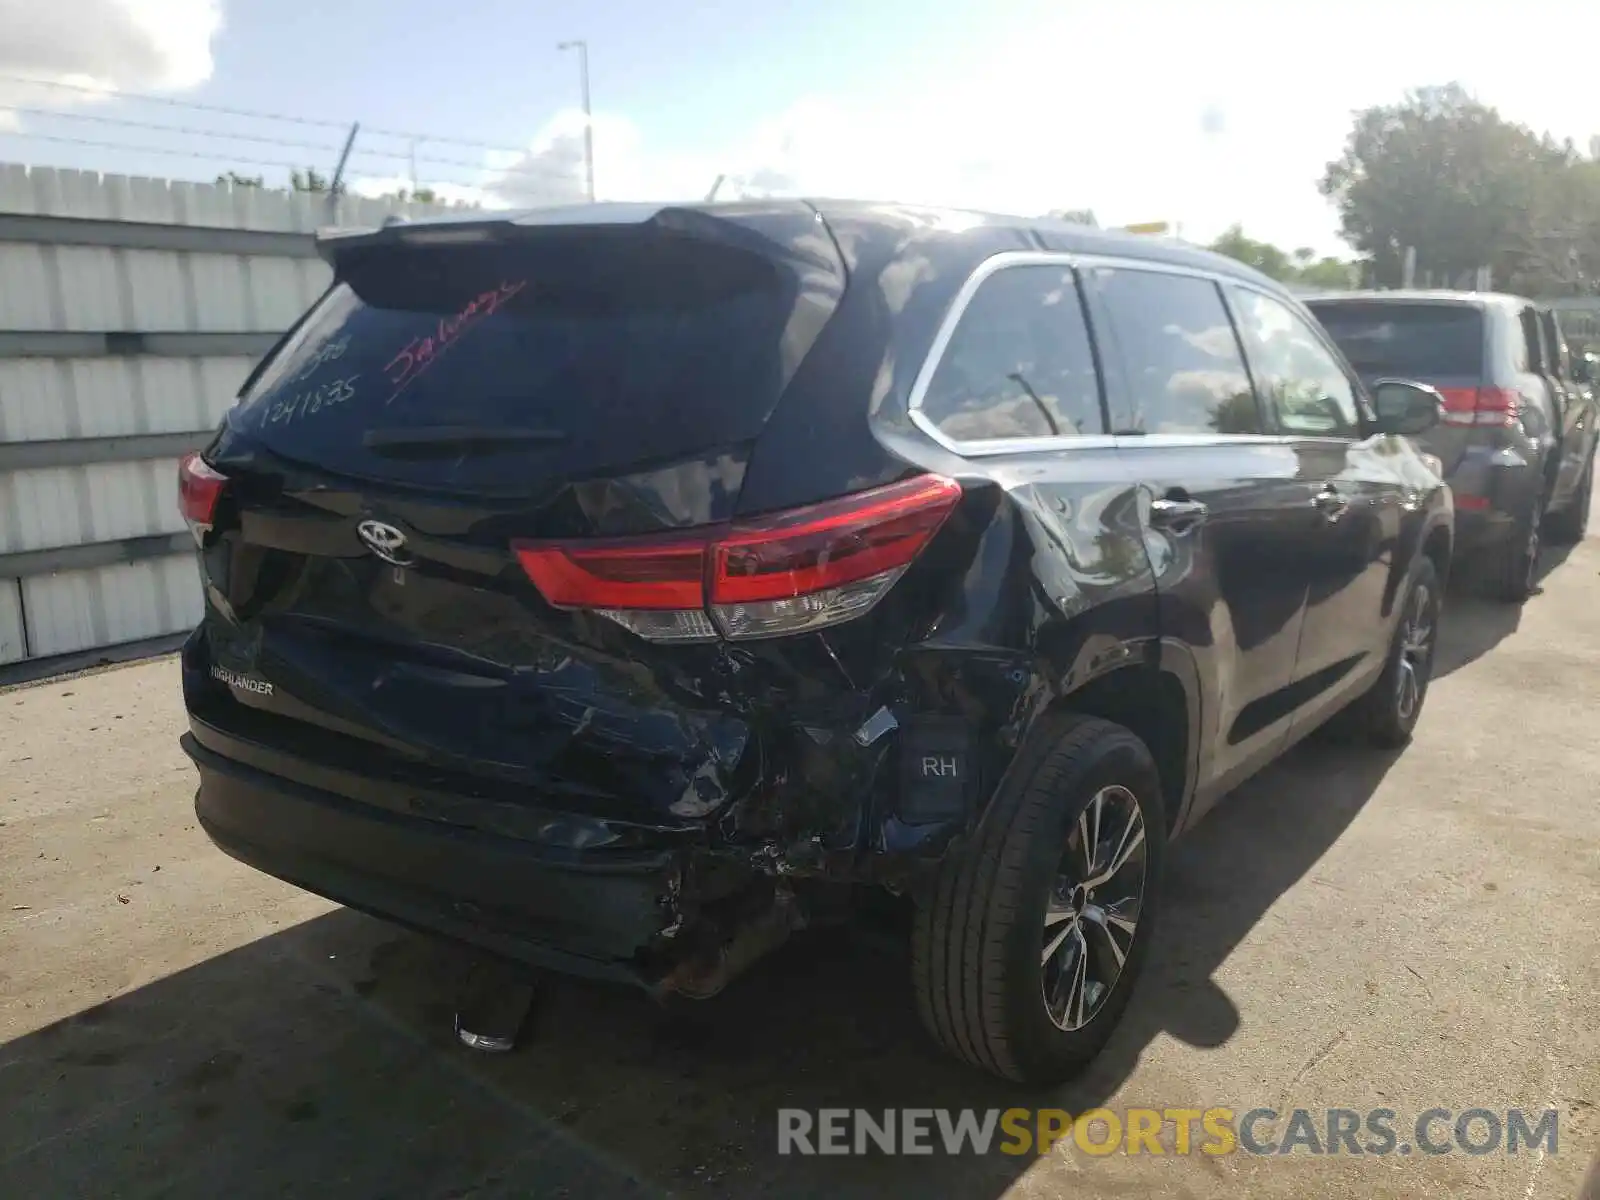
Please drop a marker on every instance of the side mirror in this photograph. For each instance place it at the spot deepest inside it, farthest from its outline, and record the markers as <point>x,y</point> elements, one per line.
<point>1406,407</point>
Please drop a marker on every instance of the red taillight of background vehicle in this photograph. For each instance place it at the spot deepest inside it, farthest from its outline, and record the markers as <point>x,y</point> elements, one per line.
<point>199,489</point>
<point>1481,406</point>
<point>784,573</point>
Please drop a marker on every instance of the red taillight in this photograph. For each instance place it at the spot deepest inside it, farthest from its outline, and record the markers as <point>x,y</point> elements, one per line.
<point>1481,406</point>
<point>1498,406</point>
<point>785,573</point>
<point>199,488</point>
<point>653,575</point>
<point>832,544</point>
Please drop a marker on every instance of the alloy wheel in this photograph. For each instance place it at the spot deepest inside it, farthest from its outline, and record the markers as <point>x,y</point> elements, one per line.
<point>1092,915</point>
<point>1416,653</point>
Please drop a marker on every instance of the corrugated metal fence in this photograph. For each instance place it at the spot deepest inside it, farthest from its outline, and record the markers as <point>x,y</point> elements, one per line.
<point>130,312</point>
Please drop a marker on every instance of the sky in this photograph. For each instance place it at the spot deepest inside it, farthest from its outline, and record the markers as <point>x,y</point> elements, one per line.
<point>1199,114</point>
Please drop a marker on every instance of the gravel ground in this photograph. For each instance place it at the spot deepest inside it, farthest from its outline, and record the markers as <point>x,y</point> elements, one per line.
<point>1348,930</point>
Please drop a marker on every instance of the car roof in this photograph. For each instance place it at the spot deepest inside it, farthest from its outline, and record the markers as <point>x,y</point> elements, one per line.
<point>1439,296</point>
<point>1066,236</point>
<point>931,221</point>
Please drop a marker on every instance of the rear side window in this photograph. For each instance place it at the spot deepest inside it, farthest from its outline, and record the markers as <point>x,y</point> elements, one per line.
<point>572,356</point>
<point>1561,361</point>
<point>1179,353</point>
<point>1538,348</point>
<point>1303,384</point>
<point>1412,341</point>
<point>1018,364</point>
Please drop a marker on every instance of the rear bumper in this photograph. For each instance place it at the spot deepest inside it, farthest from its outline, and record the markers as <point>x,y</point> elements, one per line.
<point>1493,490</point>
<point>491,891</point>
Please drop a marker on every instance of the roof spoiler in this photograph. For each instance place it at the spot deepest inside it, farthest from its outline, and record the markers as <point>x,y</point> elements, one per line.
<point>477,228</point>
<point>793,236</point>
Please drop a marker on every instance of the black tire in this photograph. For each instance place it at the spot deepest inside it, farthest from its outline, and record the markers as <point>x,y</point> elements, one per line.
<point>1388,711</point>
<point>1513,568</point>
<point>981,956</point>
<point>1569,525</point>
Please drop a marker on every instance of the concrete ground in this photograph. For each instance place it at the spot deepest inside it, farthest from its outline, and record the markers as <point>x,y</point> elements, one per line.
<point>1350,929</point>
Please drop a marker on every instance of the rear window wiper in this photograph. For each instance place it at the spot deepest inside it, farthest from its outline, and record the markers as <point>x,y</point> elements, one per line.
<point>425,440</point>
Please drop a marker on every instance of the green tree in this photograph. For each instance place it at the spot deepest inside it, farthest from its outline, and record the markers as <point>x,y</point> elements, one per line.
<point>1440,172</point>
<point>1263,256</point>
<point>1302,266</point>
<point>1328,273</point>
<point>241,181</point>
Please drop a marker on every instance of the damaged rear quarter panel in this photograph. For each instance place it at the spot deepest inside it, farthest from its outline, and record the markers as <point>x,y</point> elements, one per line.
<point>1039,583</point>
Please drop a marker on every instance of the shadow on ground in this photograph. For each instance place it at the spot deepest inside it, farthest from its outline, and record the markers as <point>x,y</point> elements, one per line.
<point>1474,625</point>
<point>320,1061</point>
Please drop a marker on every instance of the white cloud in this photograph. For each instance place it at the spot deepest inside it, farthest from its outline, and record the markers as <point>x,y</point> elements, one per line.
<point>552,170</point>
<point>128,45</point>
<point>1227,112</point>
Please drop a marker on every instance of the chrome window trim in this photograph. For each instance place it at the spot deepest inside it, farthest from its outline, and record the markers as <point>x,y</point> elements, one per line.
<point>1007,259</point>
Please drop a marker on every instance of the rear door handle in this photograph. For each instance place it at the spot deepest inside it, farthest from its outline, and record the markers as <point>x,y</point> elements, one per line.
<point>1331,503</point>
<point>1179,516</point>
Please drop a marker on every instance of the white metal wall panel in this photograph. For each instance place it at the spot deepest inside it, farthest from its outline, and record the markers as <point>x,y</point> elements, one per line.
<point>34,400</point>
<point>24,287</point>
<point>94,289</point>
<point>91,301</point>
<point>219,293</point>
<point>12,648</point>
<point>132,499</point>
<point>220,381</point>
<point>69,506</point>
<point>48,191</point>
<point>79,610</point>
<point>276,292</point>
<point>155,283</point>
<point>37,509</point>
<point>315,276</point>
<point>45,399</point>
<point>165,394</point>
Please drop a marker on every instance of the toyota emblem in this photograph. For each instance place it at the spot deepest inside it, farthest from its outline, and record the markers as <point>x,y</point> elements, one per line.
<point>387,542</point>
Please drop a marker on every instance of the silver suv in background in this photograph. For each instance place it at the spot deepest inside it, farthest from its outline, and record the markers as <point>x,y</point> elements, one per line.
<point>1517,436</point>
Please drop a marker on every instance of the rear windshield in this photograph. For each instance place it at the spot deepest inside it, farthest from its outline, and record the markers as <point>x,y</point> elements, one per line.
<point>531,361</point>
<point>1413,340</point>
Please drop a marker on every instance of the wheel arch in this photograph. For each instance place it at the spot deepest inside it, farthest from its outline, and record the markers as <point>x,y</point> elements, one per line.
<point>1159,705</point>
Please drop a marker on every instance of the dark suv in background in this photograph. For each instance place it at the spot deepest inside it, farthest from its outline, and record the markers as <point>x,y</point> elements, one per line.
<point>620,589</point>
<point>1517,438</point>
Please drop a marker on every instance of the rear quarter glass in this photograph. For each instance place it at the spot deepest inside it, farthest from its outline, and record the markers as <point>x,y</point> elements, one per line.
<point>610,352</point>
<point>1412,341</point>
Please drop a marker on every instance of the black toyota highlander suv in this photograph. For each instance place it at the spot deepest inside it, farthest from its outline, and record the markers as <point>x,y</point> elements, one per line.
<point>619,589</point>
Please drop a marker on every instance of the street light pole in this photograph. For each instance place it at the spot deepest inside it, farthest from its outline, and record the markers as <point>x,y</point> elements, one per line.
<point>582,47</point>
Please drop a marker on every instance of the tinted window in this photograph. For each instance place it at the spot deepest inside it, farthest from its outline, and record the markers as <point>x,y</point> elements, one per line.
<point>624,350</point>
<point>1179,352</point>
<point>1413,341</point>
<point>1560,359</point>
<point>1019,363</point>
<point>1538,348</point>
<point>1305,388</point>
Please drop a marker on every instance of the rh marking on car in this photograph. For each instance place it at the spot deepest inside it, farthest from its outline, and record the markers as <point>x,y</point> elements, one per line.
<point>243,683</point>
